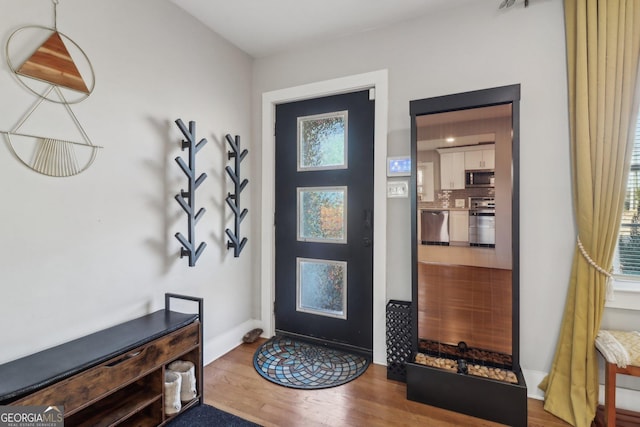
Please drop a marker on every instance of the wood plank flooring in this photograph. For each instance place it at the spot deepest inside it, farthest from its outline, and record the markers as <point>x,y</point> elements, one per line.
<point>233,385</point>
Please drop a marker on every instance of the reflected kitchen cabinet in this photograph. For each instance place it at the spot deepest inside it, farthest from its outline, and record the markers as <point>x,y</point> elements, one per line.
<point>459,227</point>
<point>484,159</point>
<point>451,170</point>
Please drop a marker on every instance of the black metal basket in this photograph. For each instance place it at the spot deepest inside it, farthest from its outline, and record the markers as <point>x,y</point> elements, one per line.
<point>398,339</point>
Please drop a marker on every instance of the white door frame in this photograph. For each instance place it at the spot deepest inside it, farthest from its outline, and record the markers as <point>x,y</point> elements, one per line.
<point>377,80</point>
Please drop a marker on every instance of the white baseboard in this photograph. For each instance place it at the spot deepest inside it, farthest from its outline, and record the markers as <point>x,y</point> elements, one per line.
<point>224,343</point>
<point>625,398</point>
<point>533,378</point>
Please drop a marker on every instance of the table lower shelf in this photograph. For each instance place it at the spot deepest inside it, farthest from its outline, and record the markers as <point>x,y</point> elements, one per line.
<point>128,402</point>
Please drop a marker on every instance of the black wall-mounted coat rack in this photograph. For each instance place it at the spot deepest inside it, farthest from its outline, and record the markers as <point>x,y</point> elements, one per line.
<point>187,199</point>
<point>233,199</point>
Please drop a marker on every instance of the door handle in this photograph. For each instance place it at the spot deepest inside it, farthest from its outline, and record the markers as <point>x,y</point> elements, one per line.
<point>368,219</point>
<point>367,242</point>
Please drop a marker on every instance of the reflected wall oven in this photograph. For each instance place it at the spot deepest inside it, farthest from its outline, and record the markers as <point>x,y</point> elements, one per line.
<point>482,222</point>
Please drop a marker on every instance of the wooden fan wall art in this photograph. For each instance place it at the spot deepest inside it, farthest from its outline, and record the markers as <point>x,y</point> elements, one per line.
<point>51,74</point>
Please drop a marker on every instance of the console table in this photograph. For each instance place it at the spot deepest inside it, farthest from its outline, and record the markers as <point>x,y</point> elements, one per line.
<point>114,376</point>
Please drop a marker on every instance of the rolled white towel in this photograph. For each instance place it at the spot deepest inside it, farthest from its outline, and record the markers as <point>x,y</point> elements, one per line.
<point>187,371</point>
<point>612,350</point>
<point>172,386</point>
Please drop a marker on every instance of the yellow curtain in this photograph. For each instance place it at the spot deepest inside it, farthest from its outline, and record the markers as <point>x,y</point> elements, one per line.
<point>603,44</point>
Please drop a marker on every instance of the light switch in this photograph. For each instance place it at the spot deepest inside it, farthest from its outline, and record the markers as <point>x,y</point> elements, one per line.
<point>397,189</point>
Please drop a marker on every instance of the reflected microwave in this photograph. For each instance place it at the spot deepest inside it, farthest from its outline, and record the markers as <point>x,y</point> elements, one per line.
<point>479,178</point>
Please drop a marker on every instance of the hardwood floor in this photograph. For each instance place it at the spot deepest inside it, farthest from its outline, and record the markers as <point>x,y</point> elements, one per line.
<point>233,385</point>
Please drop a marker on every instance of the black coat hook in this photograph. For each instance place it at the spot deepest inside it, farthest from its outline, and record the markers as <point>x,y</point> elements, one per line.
<point>186,199</point>
<point>233,199</point>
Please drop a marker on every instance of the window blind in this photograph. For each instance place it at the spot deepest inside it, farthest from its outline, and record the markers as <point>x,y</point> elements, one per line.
<point>628,259</point>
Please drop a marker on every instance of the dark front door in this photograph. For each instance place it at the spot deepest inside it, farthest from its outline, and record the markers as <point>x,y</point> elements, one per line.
<point>324,219</point>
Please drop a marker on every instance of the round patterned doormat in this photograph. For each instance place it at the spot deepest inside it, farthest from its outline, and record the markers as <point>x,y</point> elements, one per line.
<point>301,365</point>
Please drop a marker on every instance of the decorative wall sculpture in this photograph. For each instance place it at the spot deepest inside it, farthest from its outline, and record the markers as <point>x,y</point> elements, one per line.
<point>51,74</point>
<point>186,199</point>
<point>233,199</point>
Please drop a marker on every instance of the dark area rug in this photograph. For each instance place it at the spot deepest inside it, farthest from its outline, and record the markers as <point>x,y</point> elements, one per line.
<point>208,416</point>
<point>301,365</point>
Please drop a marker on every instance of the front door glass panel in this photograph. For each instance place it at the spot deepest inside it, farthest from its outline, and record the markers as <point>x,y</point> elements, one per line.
<point>322,214</point>
<point>322,287</point>
<point>322,141</point>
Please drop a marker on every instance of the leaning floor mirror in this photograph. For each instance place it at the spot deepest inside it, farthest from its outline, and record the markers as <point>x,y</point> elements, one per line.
<point>465,257</point>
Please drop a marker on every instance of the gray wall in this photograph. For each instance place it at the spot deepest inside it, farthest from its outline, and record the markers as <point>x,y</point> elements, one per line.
<point>469,48</point>
<point>82,253</point>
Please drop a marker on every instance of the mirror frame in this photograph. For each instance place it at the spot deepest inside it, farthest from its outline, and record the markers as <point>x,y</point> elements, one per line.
<point>463,101</point>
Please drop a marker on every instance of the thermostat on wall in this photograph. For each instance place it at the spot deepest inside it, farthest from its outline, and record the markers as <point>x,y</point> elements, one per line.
<point>399,166</point>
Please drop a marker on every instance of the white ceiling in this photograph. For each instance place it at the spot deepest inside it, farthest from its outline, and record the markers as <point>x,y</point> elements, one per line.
<point>265,27</point>
<point>433,130</point>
